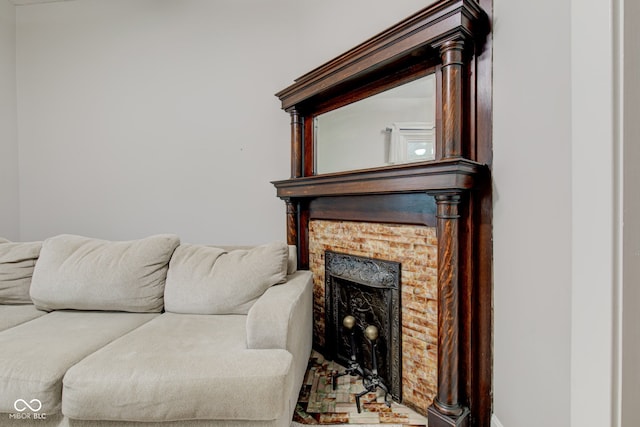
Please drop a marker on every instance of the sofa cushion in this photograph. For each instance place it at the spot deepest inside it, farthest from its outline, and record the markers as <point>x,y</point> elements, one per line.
<point>180,367</point>
<point>12,315</point>
<point>17,261</point>
<point>35,355</point>
<point>81,273</point>
<point>292,262</point>
<point>208,280</point>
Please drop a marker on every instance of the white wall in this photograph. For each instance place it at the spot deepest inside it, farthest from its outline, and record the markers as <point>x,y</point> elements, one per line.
<point>557,219</point>
<point>595,222</point>
<point>147,116</point>
<point>532,212</point>
<point>9,213</point>
<point>140,117</point>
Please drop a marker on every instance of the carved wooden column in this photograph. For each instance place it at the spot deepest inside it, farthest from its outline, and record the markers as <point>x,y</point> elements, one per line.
<point>296,144</point>
<point>292,222</point>
<point>447,408</point>
<point>451,53</point>
<point>296,172</point>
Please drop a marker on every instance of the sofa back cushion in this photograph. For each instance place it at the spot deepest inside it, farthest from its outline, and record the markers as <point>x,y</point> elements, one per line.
<point>17,261</point>
<point>292,263</point>
<point>81,273</point>
<point>209,280</point>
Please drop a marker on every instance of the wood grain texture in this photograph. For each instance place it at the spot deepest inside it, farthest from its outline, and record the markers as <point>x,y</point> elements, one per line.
<point>452,107</point>
<point>453,174</point>
<point>292,222</point>
<point>410,208</point>
<point>296,144</point>
<point>448,396</point>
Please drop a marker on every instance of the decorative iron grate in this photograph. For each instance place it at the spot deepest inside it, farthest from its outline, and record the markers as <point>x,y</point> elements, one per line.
<point>369,290</point>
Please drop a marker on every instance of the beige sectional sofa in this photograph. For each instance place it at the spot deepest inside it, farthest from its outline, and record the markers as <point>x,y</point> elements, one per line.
<point>151,332</point>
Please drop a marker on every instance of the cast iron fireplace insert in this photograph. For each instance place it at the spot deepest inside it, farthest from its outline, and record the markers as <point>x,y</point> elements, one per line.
<point>369,290</point>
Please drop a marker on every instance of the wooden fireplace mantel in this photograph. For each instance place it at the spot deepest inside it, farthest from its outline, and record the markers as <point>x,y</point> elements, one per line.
<point>428,177</point>
<point>453,192</point>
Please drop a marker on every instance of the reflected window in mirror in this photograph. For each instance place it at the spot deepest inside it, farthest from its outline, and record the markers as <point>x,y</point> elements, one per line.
<point>392,127</point>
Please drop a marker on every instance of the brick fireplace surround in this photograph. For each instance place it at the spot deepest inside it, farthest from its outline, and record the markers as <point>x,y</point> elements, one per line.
<point>415,248</point>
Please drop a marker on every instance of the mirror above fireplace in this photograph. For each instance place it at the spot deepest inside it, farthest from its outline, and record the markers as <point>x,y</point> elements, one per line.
<point>392,127</point>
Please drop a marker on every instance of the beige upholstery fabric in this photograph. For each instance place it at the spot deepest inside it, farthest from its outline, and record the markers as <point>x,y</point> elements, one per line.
<point>292,262</point>
<point>208,280</point>
<point>52,420</point>
<point>180,367</point>
<point>12,315</point>
<point>282,313</point>
<point>81,273</point>
<point>17,261</point>
<point>35,355</point>
<point>3,240</point>
<point>283,318</point>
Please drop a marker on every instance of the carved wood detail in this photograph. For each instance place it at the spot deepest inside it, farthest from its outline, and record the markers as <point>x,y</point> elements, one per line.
<point>427,28</point>
<point>452,72</point>
<point>296,144</point>
<point>292,222</point>
<point>448,400</point>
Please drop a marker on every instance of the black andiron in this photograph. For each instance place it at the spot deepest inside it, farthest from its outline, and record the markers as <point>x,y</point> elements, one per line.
<point>370,378</point>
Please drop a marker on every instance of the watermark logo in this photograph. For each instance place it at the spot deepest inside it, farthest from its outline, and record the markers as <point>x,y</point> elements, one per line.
<point>33,405</point>
<point>21,405</point>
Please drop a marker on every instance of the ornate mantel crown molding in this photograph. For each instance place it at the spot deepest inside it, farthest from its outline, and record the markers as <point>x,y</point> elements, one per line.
<point>427,29</point>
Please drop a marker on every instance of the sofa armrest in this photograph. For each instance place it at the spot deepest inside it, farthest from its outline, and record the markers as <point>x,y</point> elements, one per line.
<point>283,316</point>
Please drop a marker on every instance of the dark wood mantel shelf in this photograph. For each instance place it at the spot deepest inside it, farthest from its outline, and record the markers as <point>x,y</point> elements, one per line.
<point>429,177</point>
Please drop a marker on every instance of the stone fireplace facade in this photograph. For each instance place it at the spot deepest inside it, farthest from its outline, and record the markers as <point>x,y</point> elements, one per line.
<point>415,248</point>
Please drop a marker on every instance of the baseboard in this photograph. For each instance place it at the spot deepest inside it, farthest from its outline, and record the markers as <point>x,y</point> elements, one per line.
<point>495,422</point>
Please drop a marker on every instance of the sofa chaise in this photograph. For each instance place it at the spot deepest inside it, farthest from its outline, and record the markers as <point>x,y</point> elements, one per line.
<point>151,332</point>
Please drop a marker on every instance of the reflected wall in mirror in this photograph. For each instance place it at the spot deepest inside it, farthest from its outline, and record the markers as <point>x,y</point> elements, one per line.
<point>391,127</point>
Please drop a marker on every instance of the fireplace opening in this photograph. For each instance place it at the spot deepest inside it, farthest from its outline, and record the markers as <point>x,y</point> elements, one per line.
<point>369,290</point>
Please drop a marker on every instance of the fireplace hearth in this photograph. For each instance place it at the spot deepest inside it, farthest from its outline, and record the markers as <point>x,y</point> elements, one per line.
<point>369,290</point>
